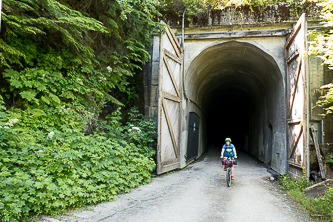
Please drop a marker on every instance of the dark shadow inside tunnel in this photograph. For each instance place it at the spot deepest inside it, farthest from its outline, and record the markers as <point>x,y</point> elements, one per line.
<point>234,108</point>
<point>229,116</point>
<point>240,92</point>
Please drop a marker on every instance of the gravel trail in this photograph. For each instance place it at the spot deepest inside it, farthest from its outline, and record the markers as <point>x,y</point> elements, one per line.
<point>199,193</point>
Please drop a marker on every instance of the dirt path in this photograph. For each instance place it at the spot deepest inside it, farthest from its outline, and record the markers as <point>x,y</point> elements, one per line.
<point>199,193</point>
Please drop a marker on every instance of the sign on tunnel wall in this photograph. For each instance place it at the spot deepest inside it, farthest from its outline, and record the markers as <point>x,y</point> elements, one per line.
<point>170,95</point>
<point>295,49</point>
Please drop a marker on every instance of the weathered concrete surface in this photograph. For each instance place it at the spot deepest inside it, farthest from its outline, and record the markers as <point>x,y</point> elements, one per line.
<point>199,193</point>
<point>245,15</point>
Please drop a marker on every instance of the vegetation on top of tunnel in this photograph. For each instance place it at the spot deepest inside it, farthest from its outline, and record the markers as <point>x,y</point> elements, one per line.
<point>198,11</point>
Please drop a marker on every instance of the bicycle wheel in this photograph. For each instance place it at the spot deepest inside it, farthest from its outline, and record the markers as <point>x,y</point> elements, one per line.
<point>228,177</point>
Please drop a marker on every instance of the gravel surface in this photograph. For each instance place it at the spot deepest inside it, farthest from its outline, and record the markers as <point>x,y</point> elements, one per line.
<point>199,193</point>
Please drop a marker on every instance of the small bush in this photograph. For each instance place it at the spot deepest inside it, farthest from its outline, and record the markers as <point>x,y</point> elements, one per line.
<point>47,164</point>
<point>288,182</point>
<point>320,208</point>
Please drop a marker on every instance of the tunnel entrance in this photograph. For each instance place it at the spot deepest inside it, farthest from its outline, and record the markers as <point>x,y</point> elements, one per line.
<point>239,93</point>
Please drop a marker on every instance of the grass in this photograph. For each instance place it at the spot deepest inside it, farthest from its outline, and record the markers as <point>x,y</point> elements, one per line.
<point>320,208</point>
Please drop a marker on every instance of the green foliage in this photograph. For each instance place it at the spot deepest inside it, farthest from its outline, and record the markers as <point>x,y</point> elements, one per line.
<point>199,8</point>
<point>61,64</point>
<point>48,165</point>
<point>147,6</point>
<point>141,132</point>
<point>322,46</point>
<point>329,159</point>
<point>320,208</point>
<point>294,183</point>
<point>102,43</point>
<point>41,19</point>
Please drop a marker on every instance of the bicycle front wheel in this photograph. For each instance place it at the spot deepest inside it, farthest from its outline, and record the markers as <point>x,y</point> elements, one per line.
<point>228,177</point>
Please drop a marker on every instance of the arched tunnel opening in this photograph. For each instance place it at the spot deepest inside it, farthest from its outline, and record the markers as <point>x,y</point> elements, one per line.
<point>240,94</point>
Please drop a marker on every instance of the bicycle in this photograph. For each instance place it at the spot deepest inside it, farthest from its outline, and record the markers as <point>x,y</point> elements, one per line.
<point>228,163</point>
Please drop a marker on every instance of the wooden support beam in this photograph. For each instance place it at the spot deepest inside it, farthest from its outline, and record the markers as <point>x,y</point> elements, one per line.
<point>171,76</point>
<point>170,127</point>
<point>173,42</point>
<point>171,97</point>
<point>293,90</point>
<point>295,31</point>
<point>172,56</point>
<point>315,141</point>
<point>295,142</point>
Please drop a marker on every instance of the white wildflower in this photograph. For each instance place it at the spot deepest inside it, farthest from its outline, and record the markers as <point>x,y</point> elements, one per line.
<point>39,151</point>
<point>50,135</point>
<point>14,120</point>
<point>9,124</point>
<point>62,109</point>
<point>6,127</point>
<point>136,128</point>
<point>102,79</point>
<point>109,69</point>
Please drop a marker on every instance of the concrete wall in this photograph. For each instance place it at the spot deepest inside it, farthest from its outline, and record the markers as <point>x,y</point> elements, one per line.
<point>278,14</point>
<point>319,76</point>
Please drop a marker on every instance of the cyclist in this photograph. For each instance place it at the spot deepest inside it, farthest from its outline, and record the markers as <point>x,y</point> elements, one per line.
<point>229,150</point>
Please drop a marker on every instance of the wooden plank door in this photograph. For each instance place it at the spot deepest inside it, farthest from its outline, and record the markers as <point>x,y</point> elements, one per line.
<point>170,97</point>
<point>294,50</point>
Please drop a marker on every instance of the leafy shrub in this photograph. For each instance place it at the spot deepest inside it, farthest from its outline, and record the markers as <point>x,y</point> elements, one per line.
<point>320,208</point>
<point>288,182</point>
<point>48,164</point>
<point>61,64</point>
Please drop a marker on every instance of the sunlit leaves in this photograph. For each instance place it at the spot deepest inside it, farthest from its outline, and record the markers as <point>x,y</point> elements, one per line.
<point>28,95</point>
<point>128,6</point>
<point>322,45</point>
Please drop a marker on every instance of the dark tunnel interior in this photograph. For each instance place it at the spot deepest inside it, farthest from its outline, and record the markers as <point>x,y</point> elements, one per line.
<point>229,116</point>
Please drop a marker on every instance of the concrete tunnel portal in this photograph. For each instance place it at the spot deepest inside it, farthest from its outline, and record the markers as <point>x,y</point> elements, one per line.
<point>239,90</point>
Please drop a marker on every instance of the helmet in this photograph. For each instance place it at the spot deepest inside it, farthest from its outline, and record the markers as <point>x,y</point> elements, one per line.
<point>228,139</point>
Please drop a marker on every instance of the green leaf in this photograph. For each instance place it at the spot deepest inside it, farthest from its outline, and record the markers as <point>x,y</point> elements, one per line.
<point>37,112</point>
<point>54,98</point>
<point>40,86</point>
<point>29,95</point>
<point>14,82</point>
<point>46,99</point>
<point>10,73</point>
<point>3,115</point>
